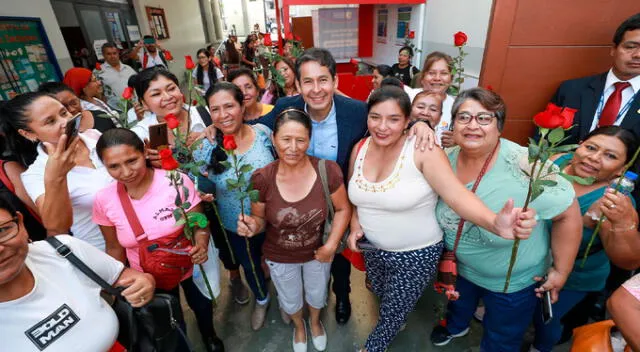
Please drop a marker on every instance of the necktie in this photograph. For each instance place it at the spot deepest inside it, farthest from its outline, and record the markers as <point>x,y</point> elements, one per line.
<point>612,107</point>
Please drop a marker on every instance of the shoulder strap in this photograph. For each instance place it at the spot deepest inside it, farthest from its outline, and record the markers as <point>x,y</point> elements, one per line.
<point>360,144</point>
<point>66,252</point>
<point>145,60</point>
<point>132,218</point>
<point>5,179</point>
<point>322,167</point>
<point>204,115</point>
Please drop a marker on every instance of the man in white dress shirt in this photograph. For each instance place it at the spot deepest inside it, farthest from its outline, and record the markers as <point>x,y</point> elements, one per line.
<point>114,75</point>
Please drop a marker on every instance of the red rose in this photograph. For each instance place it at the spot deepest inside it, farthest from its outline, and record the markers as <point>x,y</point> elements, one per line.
<point>412,34</point>
<point>459,39</point>
<point>297,38</point>
<point>167,55</point>
<point>229,142</point>
<point>568,115</point>
<point>194,102</point>
<point>189,65</point>
<point>288,36</point>
<point>127,93</point>
<point>353,62</point>
<point>553,108</point>
<point>98,66</point>
<point>172,121</point>
<point>168,162</point>
<point>216,60</point>
<point>267,39</point>
<point>490,87</point>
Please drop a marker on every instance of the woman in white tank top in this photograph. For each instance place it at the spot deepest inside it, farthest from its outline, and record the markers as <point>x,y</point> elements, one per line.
<point>394,189</point>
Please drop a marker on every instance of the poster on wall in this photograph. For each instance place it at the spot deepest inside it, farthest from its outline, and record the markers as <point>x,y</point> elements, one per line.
<point>157,22</point>
<point>26,57</point>
<point>381,30</point>
<point>337,31</point>
<point>404,20</point>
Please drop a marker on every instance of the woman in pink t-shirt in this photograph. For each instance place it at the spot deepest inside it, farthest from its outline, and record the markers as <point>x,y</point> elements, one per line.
<point>152,198</point>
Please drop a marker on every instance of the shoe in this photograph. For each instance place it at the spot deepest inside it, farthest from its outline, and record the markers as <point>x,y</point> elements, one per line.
<point>440,336</point>
<point>299,346</point>
<point>343,310</point>
<point>286,318</point>
<point>214,344</point>
<point>239,291</point>
<point>258,315</point>
<point>319,342</point>
<point>479,313</point>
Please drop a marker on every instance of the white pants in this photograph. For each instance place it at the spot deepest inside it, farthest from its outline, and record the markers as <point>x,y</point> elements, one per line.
<point>292,280</point>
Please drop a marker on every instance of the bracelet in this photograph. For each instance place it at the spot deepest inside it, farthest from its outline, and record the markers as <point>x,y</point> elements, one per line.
<point>629,228</point>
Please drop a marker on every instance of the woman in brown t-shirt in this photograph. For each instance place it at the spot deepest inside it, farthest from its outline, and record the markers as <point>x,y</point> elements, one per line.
<point>293,210</point>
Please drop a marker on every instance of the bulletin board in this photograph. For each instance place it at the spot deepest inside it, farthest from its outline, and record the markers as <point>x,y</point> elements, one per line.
<point>157,22</point>
<point>26,57</point>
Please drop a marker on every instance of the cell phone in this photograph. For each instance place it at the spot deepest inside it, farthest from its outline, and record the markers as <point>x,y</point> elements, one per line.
<point>158,136</point>
<point>547,308</point>
<point>72,128</point>
<point>149,41</point>
<point>364,244</point>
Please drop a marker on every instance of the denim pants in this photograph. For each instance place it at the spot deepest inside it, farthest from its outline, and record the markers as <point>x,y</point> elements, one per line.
<point>548,335</point>
<point>239,246</point>
<point>201,306</point>
<point>506,319</point>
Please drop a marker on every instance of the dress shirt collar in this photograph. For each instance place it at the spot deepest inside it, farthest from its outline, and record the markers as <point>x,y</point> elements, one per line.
<point>612,79</point>
<point>330,116</point>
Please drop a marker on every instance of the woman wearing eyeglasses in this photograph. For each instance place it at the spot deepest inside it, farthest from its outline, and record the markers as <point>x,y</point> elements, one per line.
<point>478,117</point>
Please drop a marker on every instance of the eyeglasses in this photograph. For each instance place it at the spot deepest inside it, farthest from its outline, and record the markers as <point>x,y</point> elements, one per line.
<point>483,118</point>
<point>9,230</point>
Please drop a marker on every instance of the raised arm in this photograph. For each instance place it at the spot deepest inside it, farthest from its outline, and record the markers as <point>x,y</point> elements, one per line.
<point>112,246</point>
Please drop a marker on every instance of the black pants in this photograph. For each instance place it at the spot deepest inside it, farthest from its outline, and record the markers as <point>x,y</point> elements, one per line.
<point>341,272</point>
<point>201,307</point>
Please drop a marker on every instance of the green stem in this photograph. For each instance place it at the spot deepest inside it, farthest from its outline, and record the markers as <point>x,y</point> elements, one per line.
<point>188,232</point>
<point>224,232</point>
<point>602,217</point>
<point>236,170</point>
<point>516,242</point>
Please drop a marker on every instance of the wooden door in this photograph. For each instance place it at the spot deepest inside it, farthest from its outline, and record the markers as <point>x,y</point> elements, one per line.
<point>534,45</point>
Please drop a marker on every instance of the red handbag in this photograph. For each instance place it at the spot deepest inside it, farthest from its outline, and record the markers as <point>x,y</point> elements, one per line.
<point>166,259</point>
<point>448,265</point>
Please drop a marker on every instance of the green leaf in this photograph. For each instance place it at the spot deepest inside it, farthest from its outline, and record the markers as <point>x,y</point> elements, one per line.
<point>180,222</point>
<point>564,148</point>
<point>556,135</point>
<point>242,182</point>
<point>534,151</point>
<point>232,183</point>
<point>254,195</point>
<point>241,196</point>
<point>245,168</point>
<point>177,214</point>
<point>185,192</point>
<point>226,164</point>
<point>185,205</point>
<point>197,219</point>
<point>536,191</point>
<point>547,183</point>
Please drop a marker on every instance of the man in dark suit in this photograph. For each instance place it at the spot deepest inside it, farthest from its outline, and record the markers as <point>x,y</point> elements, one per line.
<point>338,123</point>
<point>609,98</point>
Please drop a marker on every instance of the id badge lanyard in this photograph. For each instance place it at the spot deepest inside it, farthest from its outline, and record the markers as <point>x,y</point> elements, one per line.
<point>622,112</point>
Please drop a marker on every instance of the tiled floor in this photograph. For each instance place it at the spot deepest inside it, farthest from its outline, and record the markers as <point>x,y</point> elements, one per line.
<point>233,326</point>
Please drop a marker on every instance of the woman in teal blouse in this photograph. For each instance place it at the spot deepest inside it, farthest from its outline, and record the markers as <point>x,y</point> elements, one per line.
<point>602,155</point>
<point>478,117</point>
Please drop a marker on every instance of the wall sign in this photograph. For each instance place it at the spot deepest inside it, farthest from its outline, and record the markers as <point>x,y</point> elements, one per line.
<point>404,20</point>
<point>157,22</point>
<point>381,30</point>
<point>26,57</point>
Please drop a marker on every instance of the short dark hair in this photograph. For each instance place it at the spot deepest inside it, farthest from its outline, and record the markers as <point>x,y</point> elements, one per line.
<point>322,56</point>
<point>109,45</point>
<point>630,24</point>
<point>6,202</point>
<point>407,48</point>
<point>488,99</point>
<point>118,136</point>
<point>390,92</point>
<point>227,87</point>
<point>243,72</point>
<point>53,88</point>
<point>628,138</point>
<point>391,81</point>
<point>384,70</point>
<point>292,114</point>
<point>146,76</point>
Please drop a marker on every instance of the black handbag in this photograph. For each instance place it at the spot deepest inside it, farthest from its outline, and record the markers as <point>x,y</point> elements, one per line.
<point>152,328</point>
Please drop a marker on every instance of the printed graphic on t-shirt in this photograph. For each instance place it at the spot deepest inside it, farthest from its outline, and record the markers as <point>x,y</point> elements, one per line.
<point>51,328</point>
<point>299,230</point>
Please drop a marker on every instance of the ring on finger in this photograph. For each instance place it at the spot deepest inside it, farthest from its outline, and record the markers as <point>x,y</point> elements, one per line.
<point>612,206</point>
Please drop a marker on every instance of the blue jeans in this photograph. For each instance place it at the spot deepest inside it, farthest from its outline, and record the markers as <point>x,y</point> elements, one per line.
<point>548,335</point>
<point>506,319</point>
<point>238,244</point>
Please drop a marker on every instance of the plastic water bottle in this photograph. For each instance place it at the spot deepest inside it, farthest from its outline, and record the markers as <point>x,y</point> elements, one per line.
<point>626,187</point>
